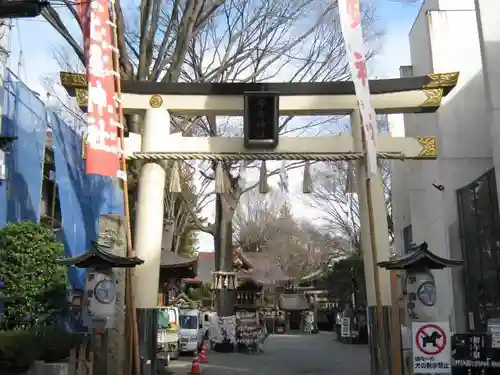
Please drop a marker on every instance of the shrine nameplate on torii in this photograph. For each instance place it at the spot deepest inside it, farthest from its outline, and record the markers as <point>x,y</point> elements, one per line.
<point>402,95</point>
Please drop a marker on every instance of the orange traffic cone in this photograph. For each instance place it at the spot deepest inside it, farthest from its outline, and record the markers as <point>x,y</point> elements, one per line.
<point>195,366</point>
<point>203,354</point>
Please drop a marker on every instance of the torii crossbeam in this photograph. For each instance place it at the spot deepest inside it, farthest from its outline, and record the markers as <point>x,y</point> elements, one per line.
<point>399,95</point>
<point>403,95</point>
<point>158,100</point>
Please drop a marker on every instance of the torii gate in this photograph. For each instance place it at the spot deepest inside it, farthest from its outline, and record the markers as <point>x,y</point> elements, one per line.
<point>158,100</point>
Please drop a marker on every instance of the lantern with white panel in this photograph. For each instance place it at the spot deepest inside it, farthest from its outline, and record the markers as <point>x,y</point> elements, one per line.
<point>99,298</point>
<point>417,268</point>
<point>100,295</point>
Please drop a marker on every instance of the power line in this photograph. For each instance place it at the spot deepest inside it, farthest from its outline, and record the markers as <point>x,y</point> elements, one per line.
<point>59,3</point>
<point>20,63</point>
<point>34,20</point>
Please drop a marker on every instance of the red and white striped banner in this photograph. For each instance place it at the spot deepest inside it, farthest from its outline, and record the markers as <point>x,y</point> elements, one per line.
<point>350,21</point>
<point>102,154</point>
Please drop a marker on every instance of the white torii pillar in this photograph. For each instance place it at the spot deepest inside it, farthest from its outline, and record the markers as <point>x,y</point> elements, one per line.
<point>149,214</point>
<point>149,218</point>
<point>375,247</point>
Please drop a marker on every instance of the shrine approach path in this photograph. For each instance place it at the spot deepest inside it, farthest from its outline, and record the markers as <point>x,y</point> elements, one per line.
<point>291,354</point>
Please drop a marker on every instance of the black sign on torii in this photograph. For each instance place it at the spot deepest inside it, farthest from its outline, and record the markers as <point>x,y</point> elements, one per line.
<point>261,120</point>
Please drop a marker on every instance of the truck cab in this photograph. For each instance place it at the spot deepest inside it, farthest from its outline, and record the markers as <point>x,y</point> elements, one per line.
<point>191,330</point>
<point>168,339</point>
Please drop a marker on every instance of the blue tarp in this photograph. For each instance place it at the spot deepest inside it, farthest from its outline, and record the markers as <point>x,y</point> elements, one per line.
<point>82,197</point>
<point>23,116</point>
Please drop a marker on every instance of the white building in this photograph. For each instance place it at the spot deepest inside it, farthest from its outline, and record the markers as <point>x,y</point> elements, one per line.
<point>452,203</point>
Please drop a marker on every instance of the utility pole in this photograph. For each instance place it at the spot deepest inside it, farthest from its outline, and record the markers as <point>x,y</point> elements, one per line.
<point>5,25</point>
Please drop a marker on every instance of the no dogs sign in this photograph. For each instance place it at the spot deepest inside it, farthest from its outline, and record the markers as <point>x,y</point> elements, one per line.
<point>431,348</point>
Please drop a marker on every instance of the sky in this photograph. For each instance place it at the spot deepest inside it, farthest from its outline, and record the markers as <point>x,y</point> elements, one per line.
<point>33,41</point>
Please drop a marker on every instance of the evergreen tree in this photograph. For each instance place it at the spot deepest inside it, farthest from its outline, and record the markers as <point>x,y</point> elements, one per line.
<point>35,284</point>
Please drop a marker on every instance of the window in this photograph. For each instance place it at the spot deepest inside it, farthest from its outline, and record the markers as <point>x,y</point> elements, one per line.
<point>480,232</point>
<point>50,210</point>
<point>163,319</point>
<point>407,238</point>
<point>189,321</point>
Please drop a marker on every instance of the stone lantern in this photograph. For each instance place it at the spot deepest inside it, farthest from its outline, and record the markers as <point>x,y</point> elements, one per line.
<point>419,288</point>
<point>99,297</point>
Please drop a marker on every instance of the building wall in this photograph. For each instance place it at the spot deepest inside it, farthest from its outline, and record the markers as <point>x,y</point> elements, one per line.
<point>487,12</point>
<point>444,38</point>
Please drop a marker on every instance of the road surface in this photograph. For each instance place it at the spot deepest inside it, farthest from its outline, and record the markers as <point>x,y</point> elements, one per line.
<point>294,354</point>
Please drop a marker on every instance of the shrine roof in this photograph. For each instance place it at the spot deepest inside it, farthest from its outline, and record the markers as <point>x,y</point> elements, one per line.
<point>315,275</point>
<point>419,258</point>
<point>206,266</point>
<point>99,257</point>
<point>264,269</point>
<point>293,302</point>
<point>169,259</point>
<point>257,266</point>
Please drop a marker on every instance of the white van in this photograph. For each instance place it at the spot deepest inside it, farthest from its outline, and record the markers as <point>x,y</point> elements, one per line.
<point>191,330</point>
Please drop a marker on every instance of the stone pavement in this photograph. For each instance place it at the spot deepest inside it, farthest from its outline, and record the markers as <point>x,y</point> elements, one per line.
<point>294,354</point>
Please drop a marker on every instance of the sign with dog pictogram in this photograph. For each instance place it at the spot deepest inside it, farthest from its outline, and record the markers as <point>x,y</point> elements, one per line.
<point>431,348</point>
<point>430,339</point>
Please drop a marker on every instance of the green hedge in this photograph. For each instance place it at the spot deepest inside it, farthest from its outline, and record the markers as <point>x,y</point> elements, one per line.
<point>21,347</point>
<point>17,349</point>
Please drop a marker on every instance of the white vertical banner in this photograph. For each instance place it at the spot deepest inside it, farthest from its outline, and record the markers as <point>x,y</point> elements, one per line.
<point>350,21</point>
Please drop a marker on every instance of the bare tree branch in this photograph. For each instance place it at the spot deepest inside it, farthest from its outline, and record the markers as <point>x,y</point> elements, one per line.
<point>264,223</point>
<point>335,197</point>
<point>229,41</point>
<point>55,21</point>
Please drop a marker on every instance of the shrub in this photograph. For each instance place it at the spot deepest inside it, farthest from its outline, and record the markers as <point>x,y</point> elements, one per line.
<point>57,344</point>
<point>35,285</point>
<point>19,348</point>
